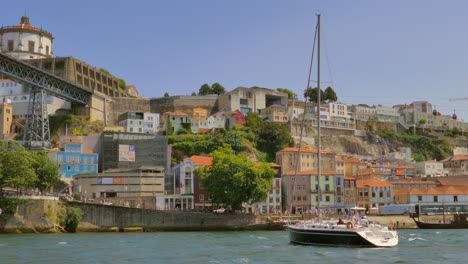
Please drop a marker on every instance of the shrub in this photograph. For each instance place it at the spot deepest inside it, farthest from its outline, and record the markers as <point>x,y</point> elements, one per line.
<point>9,205</point>
<point>77,196</point>
<point>72,218</point>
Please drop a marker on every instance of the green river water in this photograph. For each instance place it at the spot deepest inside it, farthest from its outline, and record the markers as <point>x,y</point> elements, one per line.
<point>416,246</point>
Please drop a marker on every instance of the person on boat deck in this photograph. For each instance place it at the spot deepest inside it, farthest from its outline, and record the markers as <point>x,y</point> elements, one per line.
<point>341,222</point>
<point>363,220</point>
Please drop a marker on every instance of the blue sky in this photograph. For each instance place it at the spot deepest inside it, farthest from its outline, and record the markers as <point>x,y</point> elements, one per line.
<point>375,52</point>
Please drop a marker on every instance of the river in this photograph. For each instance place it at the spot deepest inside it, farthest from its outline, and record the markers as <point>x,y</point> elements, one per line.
<point>416,246</point>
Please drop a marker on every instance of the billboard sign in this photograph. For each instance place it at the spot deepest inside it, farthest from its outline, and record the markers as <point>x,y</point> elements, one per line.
<point>127,153</point>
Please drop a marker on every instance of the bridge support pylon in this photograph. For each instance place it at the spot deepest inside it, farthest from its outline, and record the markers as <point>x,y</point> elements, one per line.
<point>37,130</point>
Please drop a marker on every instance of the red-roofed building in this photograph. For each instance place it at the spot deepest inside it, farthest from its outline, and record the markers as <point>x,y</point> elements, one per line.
<point>288,157</point>
<point>189,185</point>
<point>373,193</point>
<point>453,181</point>
<point>435,200</point>
<point>352,165</point>
<point>456,165</point>
<point>234,118</point>
<point>301,189</point>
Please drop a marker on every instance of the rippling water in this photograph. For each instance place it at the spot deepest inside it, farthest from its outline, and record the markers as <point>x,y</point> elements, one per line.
<point>416,246</point>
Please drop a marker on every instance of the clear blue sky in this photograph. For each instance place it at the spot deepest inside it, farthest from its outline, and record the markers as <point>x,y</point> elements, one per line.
<point>379,52</point>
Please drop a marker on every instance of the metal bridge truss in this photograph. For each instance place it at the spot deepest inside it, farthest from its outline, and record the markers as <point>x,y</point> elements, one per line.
<point>37,133</point>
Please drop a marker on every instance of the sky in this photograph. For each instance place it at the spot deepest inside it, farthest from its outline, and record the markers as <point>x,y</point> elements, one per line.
<point>373,52</point>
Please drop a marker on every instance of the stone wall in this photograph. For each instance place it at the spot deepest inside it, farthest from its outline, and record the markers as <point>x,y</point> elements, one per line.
<point>184,104</point>
<point>100,216</point>
<point>122,105</point>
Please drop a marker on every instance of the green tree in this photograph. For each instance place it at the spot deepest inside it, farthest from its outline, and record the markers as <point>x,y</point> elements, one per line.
<point>72,218</point>
<point>311,95</point>
<point>46,169</point>
<point>234,139</point>
<point>274,137</point>
<point>217,88</point>
<point>290,93</point>
<point>330,95</point>
<point>166,94</point>
<point>122,84</point>
<point>254,121</point>
<point>17,169</point>
<point>233,179</point>
<point>194,94</point>
<point>205,89</point>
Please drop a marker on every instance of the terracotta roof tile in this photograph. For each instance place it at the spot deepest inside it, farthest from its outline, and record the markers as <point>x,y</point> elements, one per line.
<point>368,171</point>
<point>354,160</point>
<point>339,159</point>
<point>455,181</point>
<point>372,183</point>
<point>313,172</point>
<point>445,190</point>
<point>176,113</point>
<point>202,160</point>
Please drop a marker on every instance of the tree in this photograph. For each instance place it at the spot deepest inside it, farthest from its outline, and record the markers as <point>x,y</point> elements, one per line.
<point>205,89</point>
<point>72,218</point>
<point>422,122</point>
<point>254,121</point>
<point>290,93</point>
<point>233,179</point>
<point>274,137</point>
<point>166,94</point>
<point>16,168</point>
<point>330,95</point>
<point>170,127</point>
<point>46,169</point>
<point>234,139</point>
<point>217,88</point>
<point>311,95</point>
<point>194,94</point>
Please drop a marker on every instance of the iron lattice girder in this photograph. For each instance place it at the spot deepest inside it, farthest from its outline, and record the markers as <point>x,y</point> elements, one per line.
<point>40,79</point>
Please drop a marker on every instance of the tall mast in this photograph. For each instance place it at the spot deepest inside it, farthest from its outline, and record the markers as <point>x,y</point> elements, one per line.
<point>319,192</point>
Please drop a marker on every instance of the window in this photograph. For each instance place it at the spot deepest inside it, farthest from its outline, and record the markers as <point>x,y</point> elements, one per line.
<point>31,46</point>
<point>327,198</point>
<point>419,198</point>
<point>327,178</point>
<point>244,101</point>
<point>436,198</point>
<point>373,194</point>
<point>201,197</point>
<point>455,198</point>
<point>69,168</point>
<point>47,50</point>
<point>327,187</point>
<point>381,194</point>
<point>10,45</point>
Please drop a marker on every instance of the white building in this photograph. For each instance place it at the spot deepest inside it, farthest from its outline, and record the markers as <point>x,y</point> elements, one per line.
<point>251,99</point>
<point>24,41</point>
<point>387,114</point>
<point>403,153</point>
<point>139,122</point>
<point>18,96</point>
<point>430,168</point>
<point>363,112</point>
<point>217,120</point>
<point>295,112</point>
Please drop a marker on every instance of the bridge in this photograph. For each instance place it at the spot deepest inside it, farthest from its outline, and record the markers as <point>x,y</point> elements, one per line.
<point>41,84</point>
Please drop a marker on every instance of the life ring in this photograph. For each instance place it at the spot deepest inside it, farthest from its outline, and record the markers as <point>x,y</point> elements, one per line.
<point>349,225</point>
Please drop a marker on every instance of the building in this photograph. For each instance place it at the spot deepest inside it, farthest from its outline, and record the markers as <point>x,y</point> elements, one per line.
<point>234,118</point>
<point>373,193</point>
<point>460,151</point>
<point>295,111</point>
<point>456,165</point>
<point>363,112</point>
<point>81,73</point>
<point>340,165</point>
<point>352,165</point>
<point>421,106</point>
<point>74,160</point>
<point>437,200</point>
<point>184,103</point>
<point>186,182</point>
<point>275,113</point>
<point>302,187</point>
<point>413,184</point>
<point>251,99</point>
<point>133,187</point>
<point>6,118</point>
<point>217,120</point>
<point>433,121</point>
<point>132,91</point>
<point>387,114</point>
<point>403,153</point>
<point>332,116</point>
<point>350,192</point>
<point>287,159</point>
<point>199,113</point>
<point>124,151</point>
<point>24,41</point>
<point>18,97</point>
<point>177,119</point>
<point>430,168</point>
<point>139,122</point>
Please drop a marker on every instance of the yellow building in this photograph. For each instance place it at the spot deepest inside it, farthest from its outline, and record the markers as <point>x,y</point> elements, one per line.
<point>275,113</point>
<point>6,116</point>
<point>199,113</point>
<point>352,165</point>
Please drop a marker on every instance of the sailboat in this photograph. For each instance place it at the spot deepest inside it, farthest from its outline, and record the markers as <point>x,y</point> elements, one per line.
<point>332,232</point>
